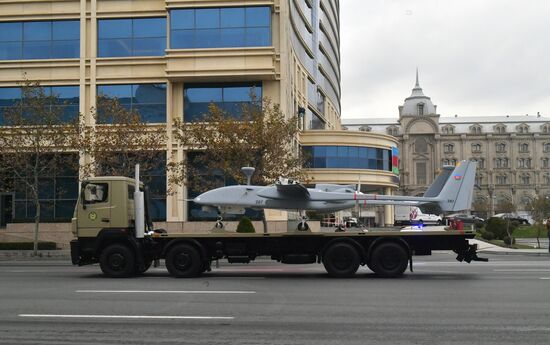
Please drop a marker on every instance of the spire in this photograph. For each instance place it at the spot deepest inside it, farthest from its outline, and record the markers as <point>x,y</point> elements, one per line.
<point>417,90</point>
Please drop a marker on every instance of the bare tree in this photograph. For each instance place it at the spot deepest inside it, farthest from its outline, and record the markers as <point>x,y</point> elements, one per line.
<point>34,142</point>
<point>261,137</point>
<point>539,208</point>
<point>118,140</point>
<point>508,207</point>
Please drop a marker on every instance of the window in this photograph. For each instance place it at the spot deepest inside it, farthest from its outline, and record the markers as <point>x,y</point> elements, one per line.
<point>392,131</point>
<point>545,128</point>
<point>500,147</point>
<point>320,102</point>
<point>545,163</point>
<point>476,147</point>
<point>523,147</point>
<point>421,173</point>
<point>230,97</point>
<point>525,179</point>
<point>58,39</point>
<point>420,109</point>
<point>347,157</point>
<point>67,96</point>
<point>449,129</point>
<point>523,129</point>
<point>314,121</point>
<point>220,27</point>
<point>479,180</point>
<point>448,148</point>
<point>546,147</point>
<point>420,145</point>
<point>500,129</point>
<point>501,162</point>
<point>96,193</point>
<point>147,99</point>
<point>365,128</point>
<point>131,37</point>
<point>547,179</point>
<point>524,163</point>
<point>475,129</point>
<point>502,179</point>
<point>57,194</point>
<point>480,162</point>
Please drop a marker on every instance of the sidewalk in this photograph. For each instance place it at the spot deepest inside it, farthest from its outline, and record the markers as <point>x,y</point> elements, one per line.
<point>26,255</point>
<point>488,248</point>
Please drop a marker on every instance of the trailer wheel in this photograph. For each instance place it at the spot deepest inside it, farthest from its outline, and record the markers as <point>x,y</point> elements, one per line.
<point>117,261</point>
<point>184,261</point>
<point>341,260</point>
<point>389,260</point>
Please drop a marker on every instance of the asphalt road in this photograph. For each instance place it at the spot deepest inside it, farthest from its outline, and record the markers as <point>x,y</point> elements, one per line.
<point>505,301</point>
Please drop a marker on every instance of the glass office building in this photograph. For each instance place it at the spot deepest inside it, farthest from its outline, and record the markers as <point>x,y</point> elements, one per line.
<point>170,59</point>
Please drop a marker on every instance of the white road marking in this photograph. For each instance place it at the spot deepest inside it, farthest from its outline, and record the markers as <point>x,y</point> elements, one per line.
<point>545,278</point>
<point>523,270</point>
<point>150,317</point>
<point>167,291</point>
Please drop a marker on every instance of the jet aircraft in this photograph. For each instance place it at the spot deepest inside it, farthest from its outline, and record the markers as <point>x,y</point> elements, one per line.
<point>452,190</point>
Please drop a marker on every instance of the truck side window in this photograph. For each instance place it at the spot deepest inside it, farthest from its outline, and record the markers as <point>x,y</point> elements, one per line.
<point>131,190</point>
<point>95,193</point>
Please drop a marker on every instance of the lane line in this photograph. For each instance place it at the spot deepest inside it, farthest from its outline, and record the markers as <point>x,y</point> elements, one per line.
<point>167,291</point>
<point>522,270</point>
<point>545,278</point>
<point>152,317</point>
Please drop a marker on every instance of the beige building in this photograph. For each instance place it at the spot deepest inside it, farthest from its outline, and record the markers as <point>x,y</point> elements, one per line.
<point>169,59</point>
<point>513,152</point>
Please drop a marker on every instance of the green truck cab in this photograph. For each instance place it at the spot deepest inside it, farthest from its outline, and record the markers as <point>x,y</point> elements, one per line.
<point>108,209</point>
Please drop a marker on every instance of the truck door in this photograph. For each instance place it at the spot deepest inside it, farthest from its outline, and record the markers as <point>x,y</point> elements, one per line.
<point>94,210</point>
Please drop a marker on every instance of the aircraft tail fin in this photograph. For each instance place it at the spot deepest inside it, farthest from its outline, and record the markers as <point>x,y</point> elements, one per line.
<point>439,182</point>
<point>457,192</point>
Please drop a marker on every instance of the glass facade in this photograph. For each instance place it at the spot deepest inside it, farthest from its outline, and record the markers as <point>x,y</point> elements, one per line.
<point>147,99</point>
<point>220,27</point>
<point>59,39</point>
<point>155,179</point>
<point>347,157</point>
<point>57,194</point>
<point>67,100</point>
<point>230,97</point>
<point>131,37</point>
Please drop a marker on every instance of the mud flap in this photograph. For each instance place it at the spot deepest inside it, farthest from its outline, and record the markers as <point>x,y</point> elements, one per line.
<point>469,254</point>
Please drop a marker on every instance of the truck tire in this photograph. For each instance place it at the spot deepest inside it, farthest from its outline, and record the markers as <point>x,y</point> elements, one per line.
<point>341,260</point>
<point>184,261</point>
<point>389,260</point>
<point>117,261</point>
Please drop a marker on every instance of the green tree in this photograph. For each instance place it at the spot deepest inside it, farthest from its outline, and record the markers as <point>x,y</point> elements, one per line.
<point>539,208</point>
<point>35,140</point>
<point>245,226</point>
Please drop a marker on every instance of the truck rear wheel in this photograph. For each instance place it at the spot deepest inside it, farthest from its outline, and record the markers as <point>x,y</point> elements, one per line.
<point>117,261</point>
<point>389,260</point>
<point>341,260</point>
<point>184,261</point>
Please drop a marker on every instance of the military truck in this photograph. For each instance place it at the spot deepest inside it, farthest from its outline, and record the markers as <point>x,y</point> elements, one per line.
<point>112,226</point>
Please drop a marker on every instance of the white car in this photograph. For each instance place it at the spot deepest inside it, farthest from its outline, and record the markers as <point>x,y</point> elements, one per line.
<point>417,217</point>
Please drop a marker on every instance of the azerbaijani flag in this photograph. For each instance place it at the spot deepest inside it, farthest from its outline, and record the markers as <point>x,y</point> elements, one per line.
<point>395,160</point>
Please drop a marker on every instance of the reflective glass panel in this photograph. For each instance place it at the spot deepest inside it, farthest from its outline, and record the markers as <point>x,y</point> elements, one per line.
<point>66,30</point>
<point>207,18</point>
<point>149,27</point>
<point>182,19</point>
<point>37,31</point>
<point>10,32</point>
<point>232,17</point>
<point>258,16</point>
<point>114,28</point>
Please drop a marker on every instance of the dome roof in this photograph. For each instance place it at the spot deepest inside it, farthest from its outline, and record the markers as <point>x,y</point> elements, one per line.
<point>417,103</point>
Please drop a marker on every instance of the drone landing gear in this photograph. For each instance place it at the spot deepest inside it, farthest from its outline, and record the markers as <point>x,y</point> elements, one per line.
<point>219,223</point>
<point>303,226</point>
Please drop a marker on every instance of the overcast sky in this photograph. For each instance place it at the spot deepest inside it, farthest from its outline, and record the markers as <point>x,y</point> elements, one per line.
<point>475,57</point>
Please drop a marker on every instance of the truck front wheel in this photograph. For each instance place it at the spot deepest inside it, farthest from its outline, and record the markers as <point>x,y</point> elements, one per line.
<point>117,261</point>
<point>389,260</point>
<point>184,261</point>
<point>341,260</point>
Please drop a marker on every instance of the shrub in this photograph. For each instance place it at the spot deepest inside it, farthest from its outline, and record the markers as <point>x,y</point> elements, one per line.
<point>497,226</point>
<point>245,226</point>
<point>487,235</point>
<point>27,246</point>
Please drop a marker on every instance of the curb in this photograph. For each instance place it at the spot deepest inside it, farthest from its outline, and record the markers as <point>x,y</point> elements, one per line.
<point>496,252</point>
<point>11,255</point>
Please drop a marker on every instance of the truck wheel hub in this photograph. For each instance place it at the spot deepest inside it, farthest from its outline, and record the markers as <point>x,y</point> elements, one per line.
<point>117,261</point>
<point>182,260</point>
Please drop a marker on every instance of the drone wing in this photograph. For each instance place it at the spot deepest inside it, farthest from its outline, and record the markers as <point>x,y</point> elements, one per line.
<point>285,191</point>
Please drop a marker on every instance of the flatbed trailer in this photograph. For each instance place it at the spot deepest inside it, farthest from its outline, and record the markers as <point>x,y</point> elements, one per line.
<point>388,253</point>
<point>109,231</point>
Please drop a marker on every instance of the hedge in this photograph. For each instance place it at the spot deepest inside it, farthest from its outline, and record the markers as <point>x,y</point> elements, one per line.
<point>27,246</point>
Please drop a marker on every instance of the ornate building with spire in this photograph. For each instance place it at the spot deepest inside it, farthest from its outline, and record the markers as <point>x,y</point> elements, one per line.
<point>513,152</point>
